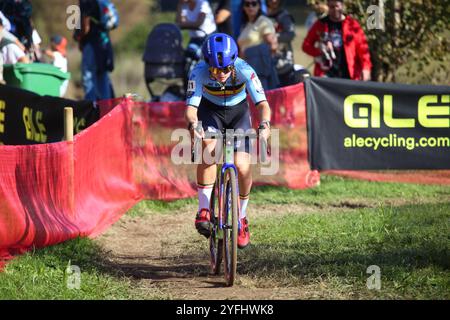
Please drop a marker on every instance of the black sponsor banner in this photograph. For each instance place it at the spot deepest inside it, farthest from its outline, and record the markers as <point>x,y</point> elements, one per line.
<point>356,125</point>
<point>28,118</point>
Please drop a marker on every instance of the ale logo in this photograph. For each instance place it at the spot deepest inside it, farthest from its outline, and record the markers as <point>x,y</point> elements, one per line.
<point>433,112</point>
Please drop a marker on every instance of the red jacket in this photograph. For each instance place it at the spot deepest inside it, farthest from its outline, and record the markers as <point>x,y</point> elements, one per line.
<point>355,46</point>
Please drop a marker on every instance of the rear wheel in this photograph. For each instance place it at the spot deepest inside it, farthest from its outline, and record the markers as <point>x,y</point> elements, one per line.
<point>230,214</point>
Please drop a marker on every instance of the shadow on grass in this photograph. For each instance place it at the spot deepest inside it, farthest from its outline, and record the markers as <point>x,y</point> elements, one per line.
<point>81,252</point>
<point>90,256</point>
<point>404,241</point>
<point>264,260</point>
<point>409,244</point>
<point>183,269</point>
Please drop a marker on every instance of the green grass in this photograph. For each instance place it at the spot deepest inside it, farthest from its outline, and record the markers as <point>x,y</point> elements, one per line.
<point>349,225</point>
<point>337,190</point>
<point>333,191</point>
<point>410,244</point>
<point>328,251</point>
<point>144,208</point>
<point>42,275</point>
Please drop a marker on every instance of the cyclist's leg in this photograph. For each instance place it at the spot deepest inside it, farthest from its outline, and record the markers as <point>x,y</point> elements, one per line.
<point>242,161</point>
<point>207,169</point>
<point>241,121</point>
<point>211,119</point>
<point>206,174</point>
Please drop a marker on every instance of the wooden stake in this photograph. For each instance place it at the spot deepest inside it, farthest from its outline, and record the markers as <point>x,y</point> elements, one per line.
<point>68,136</point>
<point>68,124</point>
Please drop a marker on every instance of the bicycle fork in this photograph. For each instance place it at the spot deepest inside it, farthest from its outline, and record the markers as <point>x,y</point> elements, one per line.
<point>228,165</point>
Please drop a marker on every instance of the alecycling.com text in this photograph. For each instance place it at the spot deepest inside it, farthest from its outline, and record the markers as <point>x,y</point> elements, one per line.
<point>394,141</point>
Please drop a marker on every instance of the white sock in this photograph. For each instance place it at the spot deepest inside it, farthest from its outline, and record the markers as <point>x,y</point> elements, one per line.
<point>204,196</point>
<point>244,204</point>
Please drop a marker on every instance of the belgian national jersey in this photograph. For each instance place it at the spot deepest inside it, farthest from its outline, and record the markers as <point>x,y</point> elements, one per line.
<point>202,84</point>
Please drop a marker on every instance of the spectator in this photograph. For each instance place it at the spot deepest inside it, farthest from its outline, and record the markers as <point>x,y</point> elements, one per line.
<point>320,10</point>
<point>196,15</point>
<point>339,46</point>
<point>57,54</point>
<point>258,43</point>
<point>285,31</point>
<point>236,13</point>
<point>35,50</point>
<point>257,28</point>
<point>19,13</point>
<point>236,10</point>
<point>97,54</point>
<point>2,81</point>
<point>223,17</point>
<point>5,21</point>
<point>10,51</point>
<point>8,35</point>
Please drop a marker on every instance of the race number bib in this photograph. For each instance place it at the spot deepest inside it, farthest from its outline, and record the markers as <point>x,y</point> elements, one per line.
<point>190,88</point>
<point>191,85</point>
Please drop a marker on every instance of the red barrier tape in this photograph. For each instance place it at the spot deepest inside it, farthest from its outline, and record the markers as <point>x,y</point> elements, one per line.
<point>51,193</point>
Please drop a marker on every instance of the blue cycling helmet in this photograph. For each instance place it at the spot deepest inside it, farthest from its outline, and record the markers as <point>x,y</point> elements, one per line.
<point>220,50</point>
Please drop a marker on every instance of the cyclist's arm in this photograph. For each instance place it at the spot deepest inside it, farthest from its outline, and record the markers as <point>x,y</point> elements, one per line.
<point>193,95</point>
<point>264,115</point>
<point>256,92</point>
<point>191,115</point>
<point>264,111</point>
<point>253,84</point>
<point>192,121</point>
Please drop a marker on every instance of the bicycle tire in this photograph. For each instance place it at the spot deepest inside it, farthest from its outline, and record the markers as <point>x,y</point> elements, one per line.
<point>215,243</point>
<point>231,216</point>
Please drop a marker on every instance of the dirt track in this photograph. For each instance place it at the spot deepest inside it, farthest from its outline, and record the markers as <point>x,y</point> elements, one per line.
<point>167,258</point>
<point>157,251</point>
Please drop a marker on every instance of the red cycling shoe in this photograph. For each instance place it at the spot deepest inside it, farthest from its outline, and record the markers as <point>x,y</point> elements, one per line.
<point>203,222</point>
<point>244,234</point>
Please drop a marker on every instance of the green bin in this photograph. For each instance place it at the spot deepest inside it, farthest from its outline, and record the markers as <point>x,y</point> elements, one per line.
<point>41,78</point>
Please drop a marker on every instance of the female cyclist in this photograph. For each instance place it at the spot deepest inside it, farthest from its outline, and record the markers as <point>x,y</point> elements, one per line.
<point>217,97</point>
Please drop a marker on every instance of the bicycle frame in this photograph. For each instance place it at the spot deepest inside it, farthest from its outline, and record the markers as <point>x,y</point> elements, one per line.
<point>223,242</point>
<point>228,164</point>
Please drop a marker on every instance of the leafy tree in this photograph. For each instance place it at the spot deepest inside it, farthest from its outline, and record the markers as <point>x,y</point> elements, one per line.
<point>409,33</point>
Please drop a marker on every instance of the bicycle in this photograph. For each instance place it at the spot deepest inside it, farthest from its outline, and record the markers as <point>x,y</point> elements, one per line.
<point>224,225</point>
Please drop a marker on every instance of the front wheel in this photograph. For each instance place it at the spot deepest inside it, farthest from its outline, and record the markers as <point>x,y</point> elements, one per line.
<point>231,215</point>
<point>216,238</point>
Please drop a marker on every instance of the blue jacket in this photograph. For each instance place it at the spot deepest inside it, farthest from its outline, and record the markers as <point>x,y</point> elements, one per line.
<point>260,58</point>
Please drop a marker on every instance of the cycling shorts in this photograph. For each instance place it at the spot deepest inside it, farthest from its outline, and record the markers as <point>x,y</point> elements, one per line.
<point>216,118</point>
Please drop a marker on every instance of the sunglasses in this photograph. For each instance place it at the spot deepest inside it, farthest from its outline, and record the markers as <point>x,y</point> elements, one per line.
<point>217,71</point>
<point>249,4</point>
